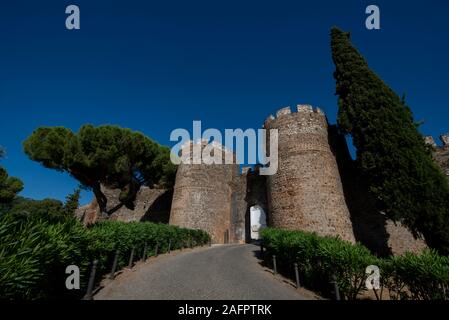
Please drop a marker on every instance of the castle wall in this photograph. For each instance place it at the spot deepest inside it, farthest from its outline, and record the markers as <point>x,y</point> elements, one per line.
<point>371,228</point>
<point>151,204</point>
<point>441,154</point>
<point>306,193</point>
<point>203,198</point>
<point>316,189</point>
<point>239,207</point>
<point>401,240</point>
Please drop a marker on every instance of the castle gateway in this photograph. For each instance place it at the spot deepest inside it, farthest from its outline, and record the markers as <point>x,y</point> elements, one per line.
<point>306,193</point>
<point>316,189</point>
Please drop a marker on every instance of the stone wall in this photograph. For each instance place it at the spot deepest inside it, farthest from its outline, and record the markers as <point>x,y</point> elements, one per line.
<point>203,196</point>
<point>306,193</point>
<point>239,207</point>
<point>317,189</point>
<point>441,154</point>
<point>371,228</point>
<point>151,204</point>
<point>401,239</point>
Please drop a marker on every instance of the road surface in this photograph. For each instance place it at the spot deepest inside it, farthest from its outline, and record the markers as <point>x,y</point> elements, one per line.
<point>227,272</point>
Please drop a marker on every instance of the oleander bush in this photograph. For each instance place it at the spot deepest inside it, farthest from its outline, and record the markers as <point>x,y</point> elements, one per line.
<point>34,253</point>
<point>418,277</point>
<point>109,236</point>
<point>322,260</point>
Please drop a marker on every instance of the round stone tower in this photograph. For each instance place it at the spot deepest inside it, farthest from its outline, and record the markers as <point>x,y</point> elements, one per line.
<point>202,194</point>
<point>306,193</point>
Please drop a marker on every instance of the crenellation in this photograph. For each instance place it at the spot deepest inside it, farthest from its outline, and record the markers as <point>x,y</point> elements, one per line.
<point>304,108</point>
<point>283,112</point>
<point>430,141</point>
<point>441,154</point>
<point>445,139</point>
<point>268,120</point>
<point>319,111</point>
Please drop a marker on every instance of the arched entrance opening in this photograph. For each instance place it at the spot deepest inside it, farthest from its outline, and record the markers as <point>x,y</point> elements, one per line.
<point>258,222</point>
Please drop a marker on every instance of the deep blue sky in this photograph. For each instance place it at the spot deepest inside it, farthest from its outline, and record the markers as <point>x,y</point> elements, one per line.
<point>155,66</point>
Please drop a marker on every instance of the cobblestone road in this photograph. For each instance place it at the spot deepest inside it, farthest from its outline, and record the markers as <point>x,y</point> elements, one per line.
<point>230,272</point>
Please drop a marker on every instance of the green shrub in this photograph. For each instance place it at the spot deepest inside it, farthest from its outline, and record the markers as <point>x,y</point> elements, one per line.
<point>411,276</point>
<point>420,277</point>
<point>34,253</point>
<point>109,236</point>
<point>347,263</point>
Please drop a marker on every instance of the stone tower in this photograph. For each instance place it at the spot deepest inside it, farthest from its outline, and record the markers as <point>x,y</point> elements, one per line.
<point>306,193</point>
<point>203,194</point>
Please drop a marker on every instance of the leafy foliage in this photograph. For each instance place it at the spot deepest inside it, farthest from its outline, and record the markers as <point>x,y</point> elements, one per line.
<point>50,210</point>
<point>423,277</point>
<point>9,186</point>
<point>34,253</point>
<point>417,277</point>
<point>105,155</point>
<point>391,154</point>
<point>321,258</point>
<point>109,236</point>
<point>72,202</point>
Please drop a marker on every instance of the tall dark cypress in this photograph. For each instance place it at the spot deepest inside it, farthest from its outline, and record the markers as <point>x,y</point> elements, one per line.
<point>391,154</point>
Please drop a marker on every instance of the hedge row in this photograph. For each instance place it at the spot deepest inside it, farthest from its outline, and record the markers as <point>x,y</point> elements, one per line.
<point>34,253</point>
<point>323,259</point>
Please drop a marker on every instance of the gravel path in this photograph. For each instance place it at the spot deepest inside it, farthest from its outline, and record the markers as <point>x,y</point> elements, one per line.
<point>230,272</point>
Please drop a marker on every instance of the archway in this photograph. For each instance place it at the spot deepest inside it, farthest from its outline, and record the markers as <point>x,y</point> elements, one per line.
<point>258,221</point>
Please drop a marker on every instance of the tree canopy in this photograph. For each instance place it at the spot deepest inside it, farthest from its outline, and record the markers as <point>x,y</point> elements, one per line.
<point>50,210</point>
<point>391,153</point>
<point>103,156</point>
<point>9,186</point>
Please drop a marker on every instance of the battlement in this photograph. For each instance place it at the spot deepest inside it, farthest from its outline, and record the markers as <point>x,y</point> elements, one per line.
<point>187,152</point>
<point>204,143</point>
<point>430,141</point>
<point>444,138</point>
<point>301,109</point>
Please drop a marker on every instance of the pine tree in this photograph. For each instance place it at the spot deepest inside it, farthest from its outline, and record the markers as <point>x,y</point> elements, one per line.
<point>391,154</point>
<point>72,202</point>
<point>103,156</point>
<point>9,186</point>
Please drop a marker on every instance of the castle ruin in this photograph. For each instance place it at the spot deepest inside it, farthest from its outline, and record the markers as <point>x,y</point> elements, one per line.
<point>316,189</point>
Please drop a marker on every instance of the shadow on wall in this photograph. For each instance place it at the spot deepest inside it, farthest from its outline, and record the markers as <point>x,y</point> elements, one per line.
<point>369,225</point>
<point>159,211</point>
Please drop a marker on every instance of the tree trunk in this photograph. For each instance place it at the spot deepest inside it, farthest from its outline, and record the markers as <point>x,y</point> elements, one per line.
<point>101,198</point>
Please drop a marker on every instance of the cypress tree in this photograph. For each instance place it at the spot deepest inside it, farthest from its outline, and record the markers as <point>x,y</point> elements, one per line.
<point>72,202</point>
<point>391,153</point>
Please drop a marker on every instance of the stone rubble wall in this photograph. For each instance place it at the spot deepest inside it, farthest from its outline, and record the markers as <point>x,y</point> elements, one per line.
<point>306,193</point>
<point>202,197</point>
<point>151,204</point>
<point>371,228</point>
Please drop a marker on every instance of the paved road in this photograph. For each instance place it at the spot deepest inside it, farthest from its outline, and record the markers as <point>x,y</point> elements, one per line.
<point>230,272</point>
